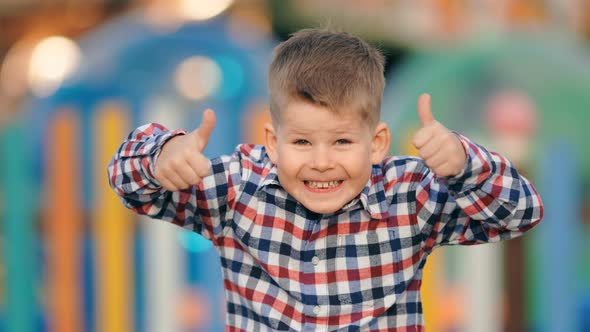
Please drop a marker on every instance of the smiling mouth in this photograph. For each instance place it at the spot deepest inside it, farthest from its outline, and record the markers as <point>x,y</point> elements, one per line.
<point>323,184</point>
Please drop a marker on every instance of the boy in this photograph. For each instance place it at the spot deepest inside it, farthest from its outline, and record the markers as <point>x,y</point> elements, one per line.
<point>318,229</point>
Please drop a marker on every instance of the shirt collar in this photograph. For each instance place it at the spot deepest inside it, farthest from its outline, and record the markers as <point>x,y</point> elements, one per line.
<point>271,178</point>
<point>372,197</point>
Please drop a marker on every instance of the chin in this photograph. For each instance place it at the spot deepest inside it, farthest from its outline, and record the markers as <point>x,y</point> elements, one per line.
<point>322,210</point>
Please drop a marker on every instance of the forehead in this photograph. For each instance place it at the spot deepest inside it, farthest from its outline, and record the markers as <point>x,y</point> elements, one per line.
<point>300,115</point>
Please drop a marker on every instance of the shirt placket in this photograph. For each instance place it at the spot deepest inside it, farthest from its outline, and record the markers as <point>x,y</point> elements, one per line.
<point>315,305</point>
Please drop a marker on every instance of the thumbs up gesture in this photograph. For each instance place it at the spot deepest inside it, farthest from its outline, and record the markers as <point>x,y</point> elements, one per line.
<point>181,163</point>
<point>441,150</point>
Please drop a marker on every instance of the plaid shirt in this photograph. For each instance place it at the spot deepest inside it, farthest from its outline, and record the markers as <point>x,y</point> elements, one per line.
<point>360,268</point>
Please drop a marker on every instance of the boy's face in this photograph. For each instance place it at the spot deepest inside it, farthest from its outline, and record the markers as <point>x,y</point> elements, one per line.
<point>324,159</point>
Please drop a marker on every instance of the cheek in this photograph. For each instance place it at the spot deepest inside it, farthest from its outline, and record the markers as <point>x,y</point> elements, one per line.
<point>289,163</point>
<point>362,170</point>
<point>357,162</point>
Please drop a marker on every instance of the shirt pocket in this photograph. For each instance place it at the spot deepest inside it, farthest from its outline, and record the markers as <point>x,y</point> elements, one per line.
<point>374,266</point>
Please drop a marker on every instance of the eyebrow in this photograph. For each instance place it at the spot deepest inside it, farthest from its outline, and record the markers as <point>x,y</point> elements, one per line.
<point>345,131</point>
<point>307,132</point>
<point>294,131</point>
<point>302,130</point>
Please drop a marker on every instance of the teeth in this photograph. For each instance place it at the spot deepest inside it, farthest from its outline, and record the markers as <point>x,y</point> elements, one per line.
<point>322,185</point>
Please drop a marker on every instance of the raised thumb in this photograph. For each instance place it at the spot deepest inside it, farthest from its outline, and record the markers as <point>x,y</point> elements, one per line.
<point>205,129</point>
<point>424,111</point>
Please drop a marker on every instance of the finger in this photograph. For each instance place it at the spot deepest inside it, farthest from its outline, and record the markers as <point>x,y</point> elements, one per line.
<point>194,163</point>
<point>177,181</point>
<point>187,174</point>
<point>424,111</point>
<point>203,166</point>
<point>200,165</point>
<point>421,137</point>
<point>205,129</point>
<point>436,160</point>
<point>442,170</point>
<point>429,149</point>
<point>168,185</point>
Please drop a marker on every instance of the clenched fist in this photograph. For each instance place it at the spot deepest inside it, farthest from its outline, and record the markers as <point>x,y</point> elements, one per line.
<point>181,163</point>
<point>441,149</point>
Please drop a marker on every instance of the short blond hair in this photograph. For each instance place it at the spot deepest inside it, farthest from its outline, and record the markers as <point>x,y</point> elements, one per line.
<point>331,69</point>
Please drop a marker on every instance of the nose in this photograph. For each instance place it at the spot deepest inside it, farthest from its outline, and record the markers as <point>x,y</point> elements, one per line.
<point>321,159</point>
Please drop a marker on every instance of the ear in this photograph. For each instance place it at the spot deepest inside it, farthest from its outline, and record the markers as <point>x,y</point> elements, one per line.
<point>270,142</point>
<point>380,143</point>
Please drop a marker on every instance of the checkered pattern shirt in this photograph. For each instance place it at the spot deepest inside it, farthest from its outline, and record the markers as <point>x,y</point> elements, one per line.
<point>357,269</point>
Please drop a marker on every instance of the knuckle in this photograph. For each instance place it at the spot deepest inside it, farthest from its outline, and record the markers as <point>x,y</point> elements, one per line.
<point>170,187</point>
<point>193,179</point>
<point>436,171</point>
<point>181,183</point>
<point>202,172</point>
<point>188,153</point>
<point>160,172</point>
<point>434,161</point>
<point>419,134</point>
<point>174,164</point>
<point>168,170</point>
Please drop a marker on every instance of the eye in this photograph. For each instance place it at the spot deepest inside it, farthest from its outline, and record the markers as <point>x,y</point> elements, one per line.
<point>301,142</point>
<point>343,141</point>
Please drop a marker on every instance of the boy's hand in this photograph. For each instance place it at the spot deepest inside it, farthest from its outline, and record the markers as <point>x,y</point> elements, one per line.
<point>441,149</point>
<point>181,163</point>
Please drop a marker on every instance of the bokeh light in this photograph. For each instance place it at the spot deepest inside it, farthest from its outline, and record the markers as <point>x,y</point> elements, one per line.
<point>169,15</point>
<point>52,60</point>
<point>203,9</point>
<point>197,77</point>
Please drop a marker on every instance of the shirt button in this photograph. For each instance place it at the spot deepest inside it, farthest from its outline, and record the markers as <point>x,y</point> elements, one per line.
<point>317,310</point>
<point>315,260</point>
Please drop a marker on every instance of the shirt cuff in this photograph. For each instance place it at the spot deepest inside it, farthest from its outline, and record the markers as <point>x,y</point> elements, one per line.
<point>150,155</point>
<point>476,171</point>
